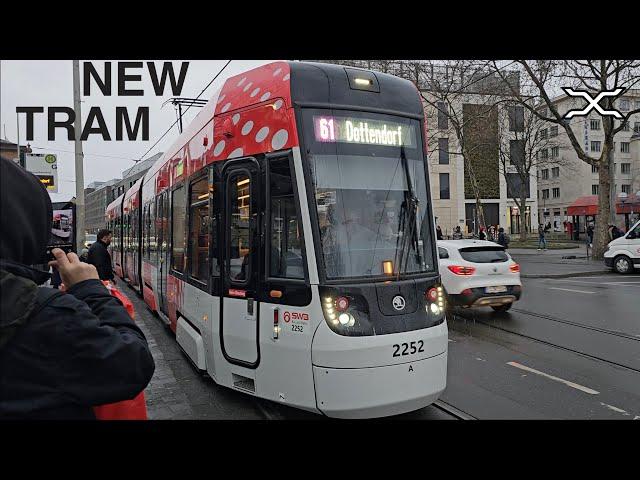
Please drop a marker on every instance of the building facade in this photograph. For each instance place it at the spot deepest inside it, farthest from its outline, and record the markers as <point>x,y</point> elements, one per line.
<point>573,179</point>
<point>96,201</point>
<point>100,194</point>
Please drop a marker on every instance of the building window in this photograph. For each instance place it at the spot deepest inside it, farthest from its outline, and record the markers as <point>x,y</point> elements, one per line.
<point>637,105</point>
<point>543,133</point>
<point>443,151</point>
<point>624,104</point>
<point>594,169</point>
<point>626,188</point>
<point>626,126</point>
<point>595,145</point>
<point>286,231</point>
<point>555,152</point>
<point>544,154</point>
<point>516,152</point>
<point>544,111</point>
<point>516,118</point>
<point>515,186</point>
<point>555,172</point>
<point>545,194</point>
<point>625,168</point>
<point>595,124</point>
<point>624,147</point>
<point>553,131</point>
<point>636,127</point>
<point>443,118</point>
<point>199,230</point>
<point>445,193</point>
<point>545,174</point>
<point>178,214</point>
<point>556,192</point>
<point>595,189</point>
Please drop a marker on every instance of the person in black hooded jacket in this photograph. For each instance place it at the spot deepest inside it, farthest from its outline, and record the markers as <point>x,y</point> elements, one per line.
<point>60,354</point>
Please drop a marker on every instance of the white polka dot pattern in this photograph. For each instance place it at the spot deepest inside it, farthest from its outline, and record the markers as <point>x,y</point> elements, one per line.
<point>247,127</point>
<point>279,140</point>
<point>262,134</point>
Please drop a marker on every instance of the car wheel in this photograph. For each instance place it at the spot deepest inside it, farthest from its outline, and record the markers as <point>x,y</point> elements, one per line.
<point>502,308</point>
<point>622,264</point>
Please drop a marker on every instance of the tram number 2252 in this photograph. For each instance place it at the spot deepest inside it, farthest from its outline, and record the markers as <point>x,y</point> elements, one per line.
<point>408,348</point>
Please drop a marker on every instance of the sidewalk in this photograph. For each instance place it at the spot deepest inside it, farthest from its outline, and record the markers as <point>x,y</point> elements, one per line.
<point>550,264</point>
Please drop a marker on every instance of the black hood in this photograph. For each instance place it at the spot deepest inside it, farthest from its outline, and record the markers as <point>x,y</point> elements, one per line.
<point>25,215</point>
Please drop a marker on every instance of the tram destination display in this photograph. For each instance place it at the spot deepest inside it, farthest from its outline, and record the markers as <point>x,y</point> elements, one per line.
<point>363,131</point>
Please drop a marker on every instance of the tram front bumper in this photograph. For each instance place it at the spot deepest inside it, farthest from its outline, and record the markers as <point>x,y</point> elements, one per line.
<point>380,391</point>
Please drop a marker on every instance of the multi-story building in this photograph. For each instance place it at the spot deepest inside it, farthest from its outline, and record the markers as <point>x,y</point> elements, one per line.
<point>470,95</point>
<point>131,175</point>
<point>100,194</point>
<point>97,196</point>
<point>573,178</point>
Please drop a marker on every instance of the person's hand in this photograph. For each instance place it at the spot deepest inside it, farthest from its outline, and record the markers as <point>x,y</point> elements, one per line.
<point>71,269</point>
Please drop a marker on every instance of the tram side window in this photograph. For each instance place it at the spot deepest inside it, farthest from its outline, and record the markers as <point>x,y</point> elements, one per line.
<point>178,213</point>
<point>239,267</point>
<point>286,233</point>
<point>199,230</point>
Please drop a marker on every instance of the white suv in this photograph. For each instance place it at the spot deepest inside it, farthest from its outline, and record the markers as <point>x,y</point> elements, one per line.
<point>478,273</point>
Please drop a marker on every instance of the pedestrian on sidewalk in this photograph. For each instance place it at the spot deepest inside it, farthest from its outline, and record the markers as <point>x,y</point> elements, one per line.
<point>457,234</point>
<point>503,238</point>
<point>542,242</point>
<point>439,233</point>
<point>100,257</point>
<point>482,235</point>
<point>590,235</point>
<point>61,354</point>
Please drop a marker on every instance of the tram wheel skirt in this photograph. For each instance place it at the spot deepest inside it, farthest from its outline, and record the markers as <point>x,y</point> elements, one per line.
<point>380,391</point>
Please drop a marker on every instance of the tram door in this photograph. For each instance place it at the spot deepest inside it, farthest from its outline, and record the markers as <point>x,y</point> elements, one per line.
<point>241,252</point>
<point>162,210</point>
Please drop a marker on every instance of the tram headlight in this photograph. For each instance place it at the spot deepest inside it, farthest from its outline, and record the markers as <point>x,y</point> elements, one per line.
<point>435,301</point>
<point>344,313</point>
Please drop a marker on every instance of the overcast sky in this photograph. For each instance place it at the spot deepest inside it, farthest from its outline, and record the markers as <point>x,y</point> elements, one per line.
<point>50,83</point>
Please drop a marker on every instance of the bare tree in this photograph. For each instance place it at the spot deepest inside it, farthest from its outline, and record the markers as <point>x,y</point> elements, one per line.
<point>545,78</point>
<point>467,96</point>
<point>525,145</point>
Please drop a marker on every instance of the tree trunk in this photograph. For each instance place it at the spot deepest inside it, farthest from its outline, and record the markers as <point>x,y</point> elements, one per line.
<point>601,235</point>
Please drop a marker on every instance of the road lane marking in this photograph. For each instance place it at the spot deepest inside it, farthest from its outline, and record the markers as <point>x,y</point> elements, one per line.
<point>569,290</point>
<point>615,409</point>
<point>557,379</point>
<point>623,283</point>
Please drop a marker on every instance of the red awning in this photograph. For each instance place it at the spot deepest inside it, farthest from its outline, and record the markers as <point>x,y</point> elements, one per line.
<point>588,205</point>
<point>584,206</point>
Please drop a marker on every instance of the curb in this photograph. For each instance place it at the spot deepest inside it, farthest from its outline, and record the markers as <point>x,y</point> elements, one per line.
<point>566,275</point>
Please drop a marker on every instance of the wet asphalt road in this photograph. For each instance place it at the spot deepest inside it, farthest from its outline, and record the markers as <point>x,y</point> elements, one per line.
<point>570,349</point>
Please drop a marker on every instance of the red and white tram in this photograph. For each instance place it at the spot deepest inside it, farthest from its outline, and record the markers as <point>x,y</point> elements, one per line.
<point>287,239</point>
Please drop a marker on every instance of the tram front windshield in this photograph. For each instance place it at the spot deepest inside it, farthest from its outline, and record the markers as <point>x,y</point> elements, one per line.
<point>369,184</point>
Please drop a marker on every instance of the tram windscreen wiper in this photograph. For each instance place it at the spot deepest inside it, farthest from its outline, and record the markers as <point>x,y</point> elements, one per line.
<point>407,222</point>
